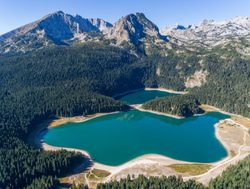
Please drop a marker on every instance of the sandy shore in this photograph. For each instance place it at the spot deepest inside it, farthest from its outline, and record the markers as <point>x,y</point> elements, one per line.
<point>150,89</point>
<point>139,107</point>
<point>38,132</point>
<point>76,119</point>
<point>237,119</point>
<point>166,90</point>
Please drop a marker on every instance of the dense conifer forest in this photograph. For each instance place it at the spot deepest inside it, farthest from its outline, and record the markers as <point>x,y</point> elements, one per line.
<point>227,84</point>
<point>47,84</point>
<point>184,105</point>
<point>68,81</point>
<point>151,182</point>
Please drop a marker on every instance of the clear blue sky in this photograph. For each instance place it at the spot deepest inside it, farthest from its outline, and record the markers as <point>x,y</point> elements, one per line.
<point>15,13</point>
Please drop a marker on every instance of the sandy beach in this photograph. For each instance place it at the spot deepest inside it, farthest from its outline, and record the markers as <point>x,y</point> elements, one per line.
<point>150,89</point>
<point>76,119</point>
<point>139,107</point>
<point>166,90</point>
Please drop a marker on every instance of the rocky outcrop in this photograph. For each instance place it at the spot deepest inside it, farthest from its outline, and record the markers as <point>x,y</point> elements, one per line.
<point>209,32</point>
<point>197,79</point>
<point>101,24</point>
<point>135,28</point>
<point>54,28</point>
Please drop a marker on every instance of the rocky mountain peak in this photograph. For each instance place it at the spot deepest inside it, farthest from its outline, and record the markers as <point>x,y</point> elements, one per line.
<point>53,28</point>
<point>134,28</point>
<point>211,33</point>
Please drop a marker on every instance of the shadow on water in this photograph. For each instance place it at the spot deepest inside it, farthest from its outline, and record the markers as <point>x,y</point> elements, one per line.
<point>86,164</point>
<point>36,140</point>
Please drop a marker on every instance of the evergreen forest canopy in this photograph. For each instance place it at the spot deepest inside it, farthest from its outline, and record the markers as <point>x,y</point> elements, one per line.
<point>69,81</point>
<point>184,106</point>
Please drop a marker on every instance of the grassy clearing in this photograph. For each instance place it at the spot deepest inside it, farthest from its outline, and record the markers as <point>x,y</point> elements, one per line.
<point>232,153</point>
<point>91,177</point>
<point>191,169</point>
<point>100,173</point>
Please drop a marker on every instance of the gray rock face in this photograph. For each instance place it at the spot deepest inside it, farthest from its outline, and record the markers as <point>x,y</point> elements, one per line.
<point>59,28</point>
<point>101,24</point>
<point>211,33</point>
<point>54,28</point>
<point>57,25</point>
<point>134,28</point>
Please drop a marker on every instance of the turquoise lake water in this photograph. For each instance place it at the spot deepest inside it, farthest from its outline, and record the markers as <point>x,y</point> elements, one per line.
<point>117,138</point>
<point>144,95</point>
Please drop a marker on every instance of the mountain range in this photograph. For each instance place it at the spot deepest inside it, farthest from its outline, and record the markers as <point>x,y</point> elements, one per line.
<point>134,29</point>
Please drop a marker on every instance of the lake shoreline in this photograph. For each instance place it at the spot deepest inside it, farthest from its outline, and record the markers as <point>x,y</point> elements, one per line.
<point>77,119</point>
<point>149,89</point>
<point>166,90</point>
<point>161,160</point>
<point>144,160</point>
<point>139,107</point>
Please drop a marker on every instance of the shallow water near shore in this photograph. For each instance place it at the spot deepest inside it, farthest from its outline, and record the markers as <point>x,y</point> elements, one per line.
<point>117,138</point>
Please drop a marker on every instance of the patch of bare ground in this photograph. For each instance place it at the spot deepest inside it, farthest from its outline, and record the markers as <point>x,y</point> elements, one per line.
<point>236,139</point>
<point>241,120</point>
<point>197,79</point>
<point>90,177</point>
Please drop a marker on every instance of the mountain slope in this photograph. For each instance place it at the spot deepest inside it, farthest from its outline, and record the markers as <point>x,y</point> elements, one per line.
<point>53,29</point>
<point>63,29</point>
<point>135,28</point>
<point>210,33</point>
<point>134,31</point>
<point>101,24</point>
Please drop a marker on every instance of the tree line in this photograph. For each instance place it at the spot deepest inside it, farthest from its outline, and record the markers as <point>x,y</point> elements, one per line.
<point>50,83</point>
<point>184,105</point>
<point>69,81</point>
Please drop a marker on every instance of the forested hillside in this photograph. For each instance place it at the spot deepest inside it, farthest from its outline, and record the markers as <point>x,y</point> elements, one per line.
<point>151,182</point>
<point>227,85</point>
<point>68,81</point>
<point>184,105</point>
<point>236,176</point>
<point>50,83</point>
<point>226,82</point>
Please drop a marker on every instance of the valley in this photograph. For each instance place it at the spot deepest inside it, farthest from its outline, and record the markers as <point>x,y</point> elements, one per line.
<point>84,80</point>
